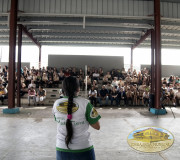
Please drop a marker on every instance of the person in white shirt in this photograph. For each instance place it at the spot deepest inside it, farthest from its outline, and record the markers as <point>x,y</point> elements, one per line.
<point>32,84</point>
<point>96,75</point>
<point>73,115</point>
<point>146,97</point>
<point>93,96</point>
<point>61,95</point>
<point>41,96</point>
<point>170,87</point>
<point>115,82</point>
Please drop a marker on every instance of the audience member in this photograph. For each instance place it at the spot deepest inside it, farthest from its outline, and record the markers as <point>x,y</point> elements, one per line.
<point>128,79</point>
<point>31,95</point>
<point>93,96</point>
<point>96,75</point>
<point>103,95</point>
<point>132,85</point>
<point>3,93</point>
<point>114,96</point>
<point>177,97</point>
<point>41,96</point>
<point>121,96</point>
<point>115,82</point>
<point>32,84</point>
<point>146,97</point>
<point>129,97</point>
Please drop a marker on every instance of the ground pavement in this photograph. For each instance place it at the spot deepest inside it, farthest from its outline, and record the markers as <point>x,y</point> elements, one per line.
<point>30,135</point>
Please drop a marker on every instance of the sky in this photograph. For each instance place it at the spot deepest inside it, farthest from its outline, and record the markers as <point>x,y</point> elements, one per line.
<point>140,55</point>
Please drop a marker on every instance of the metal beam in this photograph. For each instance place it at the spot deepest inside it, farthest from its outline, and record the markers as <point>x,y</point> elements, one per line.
<point>3,19</point>
<point>88,44</point>
<point>19,66</point>
<point>50,34</point>
<point>39,57</point>
<point>85,34</point>
<point>98,44</point>
<point>81,19</point>
<point>142,39</point>
<point>88,28</point>
<point>131,60</point>
<point>168,31</point>
<point>157,19</point>
<point>165,40</point>
<point>92,24</point>
<point>172,1</point>
<point>4,27</point>
<point>30,36</point>
<point>152,63</point>
<point>75,39</point>
<point>86,40</point>
<point>12,53</point>
<point>58,40</point>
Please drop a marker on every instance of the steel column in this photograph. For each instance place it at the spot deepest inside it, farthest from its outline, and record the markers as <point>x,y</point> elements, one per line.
<point>39,57</point>
<point>19,66</point>
<point>131,60</point>
<point>12,53</point>
<point>152,62</point>
<point>157,19</point>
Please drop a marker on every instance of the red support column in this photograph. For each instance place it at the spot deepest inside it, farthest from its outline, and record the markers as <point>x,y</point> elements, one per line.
<point>148,32</point>
<point>28,34</point>
<point>152,62</point>
<point>143,38</point>
<point>39,57</point>
<point>157,19</point>
<point>12,51</point>
<point>131,60</point>
<point>19,66</point>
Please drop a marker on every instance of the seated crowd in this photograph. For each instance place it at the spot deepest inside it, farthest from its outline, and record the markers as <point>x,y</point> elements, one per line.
<point>116,87</point>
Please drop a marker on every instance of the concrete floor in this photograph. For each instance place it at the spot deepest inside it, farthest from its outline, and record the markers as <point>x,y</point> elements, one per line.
<point>30,135</point>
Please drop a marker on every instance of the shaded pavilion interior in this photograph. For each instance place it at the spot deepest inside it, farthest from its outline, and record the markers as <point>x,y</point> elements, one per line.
<point>121,23</point>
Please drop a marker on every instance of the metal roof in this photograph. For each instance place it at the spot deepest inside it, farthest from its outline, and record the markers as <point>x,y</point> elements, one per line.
<point>92,22</point>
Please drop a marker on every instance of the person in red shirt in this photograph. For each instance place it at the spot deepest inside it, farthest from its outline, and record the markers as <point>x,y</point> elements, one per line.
<point>31,95</point>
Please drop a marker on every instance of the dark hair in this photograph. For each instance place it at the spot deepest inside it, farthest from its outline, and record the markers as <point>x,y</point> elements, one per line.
<point>70,86</point>
<point>41,87</point>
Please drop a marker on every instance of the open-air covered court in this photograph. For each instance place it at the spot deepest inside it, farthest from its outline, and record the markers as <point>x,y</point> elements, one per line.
<point>139,106</point>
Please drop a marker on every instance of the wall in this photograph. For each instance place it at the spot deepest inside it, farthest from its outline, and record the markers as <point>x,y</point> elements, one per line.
<point>167,70</point>
<point>22,64</point>
<point>106,62</point>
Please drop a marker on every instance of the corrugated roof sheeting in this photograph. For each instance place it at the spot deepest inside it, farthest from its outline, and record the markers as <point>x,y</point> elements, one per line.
<point>94,7</point>
<point>92,22</point>
<point>90,7</point>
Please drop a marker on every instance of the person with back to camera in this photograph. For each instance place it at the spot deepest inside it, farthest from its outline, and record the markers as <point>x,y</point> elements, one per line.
<point>74,115</point>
